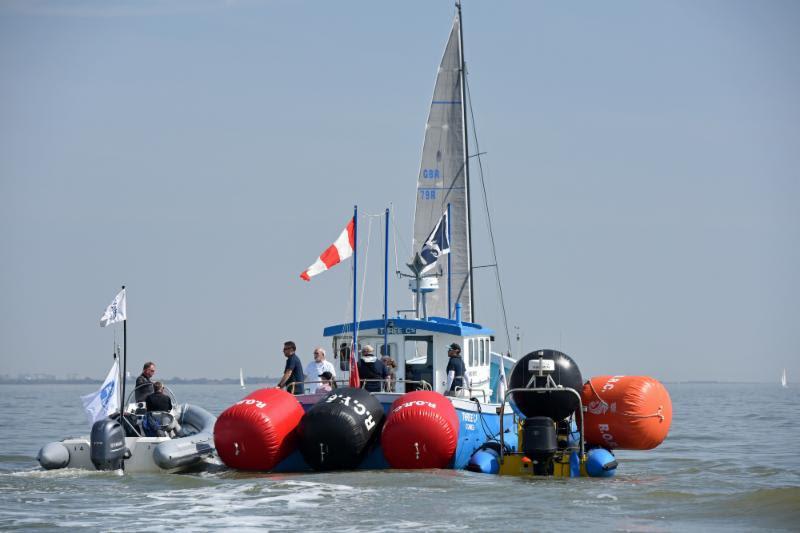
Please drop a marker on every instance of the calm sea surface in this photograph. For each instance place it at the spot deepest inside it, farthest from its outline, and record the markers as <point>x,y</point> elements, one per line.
<point>731,462</point>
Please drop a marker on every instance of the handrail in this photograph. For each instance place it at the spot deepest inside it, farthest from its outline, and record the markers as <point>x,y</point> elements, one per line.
<point>558,388</point>
<point>470,389</point>
<point>289,387</point>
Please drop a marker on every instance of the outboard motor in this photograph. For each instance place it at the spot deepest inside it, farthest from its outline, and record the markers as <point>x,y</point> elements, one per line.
<point>108,444</point>
<point>539,443</point>
<point>546,433</point>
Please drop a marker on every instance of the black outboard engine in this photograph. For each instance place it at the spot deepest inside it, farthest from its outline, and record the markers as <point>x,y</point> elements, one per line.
<point>539,443</point>
<point>108,444</point>
<point>552,372</point>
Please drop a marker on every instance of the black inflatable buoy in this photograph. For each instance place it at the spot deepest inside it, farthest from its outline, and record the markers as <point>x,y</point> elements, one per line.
<point>337,432</point>
<point>539,365</point>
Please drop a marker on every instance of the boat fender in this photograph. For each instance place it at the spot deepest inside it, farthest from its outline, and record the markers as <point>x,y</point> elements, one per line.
<point>486,459</point>
<point>53,455</point>
<point>626,412</point>
<point>258,431</point>
<point>338,431</point>
<point>600,463</point>
<point>421,431</point>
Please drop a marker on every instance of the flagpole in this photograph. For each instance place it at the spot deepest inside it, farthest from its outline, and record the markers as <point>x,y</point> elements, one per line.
<point>449,307</point>
<point>355,288</point>
<point>124,357</point>
<point>386,287</point>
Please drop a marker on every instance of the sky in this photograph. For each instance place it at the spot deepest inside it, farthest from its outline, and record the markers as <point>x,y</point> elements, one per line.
<point>642,170</point>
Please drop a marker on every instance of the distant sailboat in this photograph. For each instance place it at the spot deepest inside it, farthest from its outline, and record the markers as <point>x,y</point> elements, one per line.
<point>783,379</point>
<point>241,378</point>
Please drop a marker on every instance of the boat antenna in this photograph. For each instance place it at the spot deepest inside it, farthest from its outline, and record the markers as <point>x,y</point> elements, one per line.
<point>463,76</point>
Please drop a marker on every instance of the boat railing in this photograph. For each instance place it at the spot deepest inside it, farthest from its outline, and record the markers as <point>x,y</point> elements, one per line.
<point>419,384</point>
<point>471,395</point>
<point>551,387</point>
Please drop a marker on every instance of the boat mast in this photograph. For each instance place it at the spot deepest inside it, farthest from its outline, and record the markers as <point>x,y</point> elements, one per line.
<point>462,75</point>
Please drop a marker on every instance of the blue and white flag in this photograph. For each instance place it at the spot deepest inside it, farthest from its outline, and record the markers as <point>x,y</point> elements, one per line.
<point>116,311</point>
<point>437,243</point>
<point>105,401</point>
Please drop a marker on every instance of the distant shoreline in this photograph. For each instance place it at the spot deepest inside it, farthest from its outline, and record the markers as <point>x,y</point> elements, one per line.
<point>270,380</point>
<point>171,381</point>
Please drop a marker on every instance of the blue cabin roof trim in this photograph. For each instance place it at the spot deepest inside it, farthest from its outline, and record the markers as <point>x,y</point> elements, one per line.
<point>412,326</point>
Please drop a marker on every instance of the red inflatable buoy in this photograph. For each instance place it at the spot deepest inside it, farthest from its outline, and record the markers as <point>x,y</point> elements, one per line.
<point>626,412</point>
<point>421,431</point>
<point>257,432</point>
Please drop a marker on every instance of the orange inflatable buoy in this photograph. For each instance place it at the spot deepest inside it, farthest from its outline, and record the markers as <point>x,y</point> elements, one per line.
<point>626,412</point>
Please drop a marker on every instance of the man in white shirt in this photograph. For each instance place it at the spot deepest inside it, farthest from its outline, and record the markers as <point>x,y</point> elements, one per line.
<point>316,367</point>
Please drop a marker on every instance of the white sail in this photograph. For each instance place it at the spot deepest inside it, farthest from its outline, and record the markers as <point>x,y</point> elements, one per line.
<point>783,378</point>
<point>241,378</point>
<point>443,180</point>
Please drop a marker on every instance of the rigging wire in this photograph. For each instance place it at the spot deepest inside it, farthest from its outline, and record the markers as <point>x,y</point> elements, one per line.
<point>397,237</point>
<point>488,216</point>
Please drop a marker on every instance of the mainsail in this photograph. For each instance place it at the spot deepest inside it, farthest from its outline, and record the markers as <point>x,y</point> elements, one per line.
<point>443,180</point>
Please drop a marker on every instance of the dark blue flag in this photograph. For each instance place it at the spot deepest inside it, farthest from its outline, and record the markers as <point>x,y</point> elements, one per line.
<point>437,243</point>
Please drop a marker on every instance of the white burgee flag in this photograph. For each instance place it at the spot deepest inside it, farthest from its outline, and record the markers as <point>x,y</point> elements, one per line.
<point>116,311</point>
<point>105,401</point>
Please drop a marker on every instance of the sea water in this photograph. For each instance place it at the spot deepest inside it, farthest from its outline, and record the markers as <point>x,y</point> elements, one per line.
<point>730,462</point>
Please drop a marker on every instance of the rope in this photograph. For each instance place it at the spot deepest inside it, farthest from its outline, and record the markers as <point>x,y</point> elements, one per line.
<point>488,218</point>
<point>659,412</point>
<point>397,237</point>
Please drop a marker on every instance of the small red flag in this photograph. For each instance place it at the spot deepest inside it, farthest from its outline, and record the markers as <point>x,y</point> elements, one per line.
<point>355,381</point>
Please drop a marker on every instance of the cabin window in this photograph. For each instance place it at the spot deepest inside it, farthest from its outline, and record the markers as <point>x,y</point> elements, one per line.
<point>418,361</point>
<point>483,352</point>
<point>391,352</point>
<point>472,353</point>
<point>341,352</point>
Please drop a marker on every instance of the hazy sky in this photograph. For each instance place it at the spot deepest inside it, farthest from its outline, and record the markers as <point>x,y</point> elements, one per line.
<point>642,168</point>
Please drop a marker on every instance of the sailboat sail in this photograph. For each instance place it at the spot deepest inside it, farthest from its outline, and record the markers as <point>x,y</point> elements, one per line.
<point>443,180</point>
<point>241,378</point>
<point>783,378</point>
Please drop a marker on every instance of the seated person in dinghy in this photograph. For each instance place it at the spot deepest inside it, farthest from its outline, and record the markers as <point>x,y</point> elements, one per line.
<point>158,401</point>
<point>159,421</point>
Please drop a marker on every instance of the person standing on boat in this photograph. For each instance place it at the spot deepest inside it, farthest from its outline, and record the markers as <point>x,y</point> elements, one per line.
<point>391,369</point>
<point>372,370</point>
<point>318,366</point>
<point>293,371</point>
<point>144,387</point>
<point>456,372</point>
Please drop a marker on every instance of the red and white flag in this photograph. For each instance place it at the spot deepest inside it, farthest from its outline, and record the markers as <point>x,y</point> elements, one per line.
<point>341,249</point>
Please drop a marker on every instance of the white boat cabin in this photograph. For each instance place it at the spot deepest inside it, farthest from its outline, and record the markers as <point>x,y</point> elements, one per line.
<point>419,347</point>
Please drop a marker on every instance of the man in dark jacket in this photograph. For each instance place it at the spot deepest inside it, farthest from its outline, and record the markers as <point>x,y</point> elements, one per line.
<point>158,401</point>
<point>456,372</point>
<point>144,387</point>
<point>293,376</point>
<point>372,369</point>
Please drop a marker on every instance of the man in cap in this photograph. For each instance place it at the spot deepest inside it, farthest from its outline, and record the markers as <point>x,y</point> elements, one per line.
<point>371,369</point>
<point>456,372</point>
